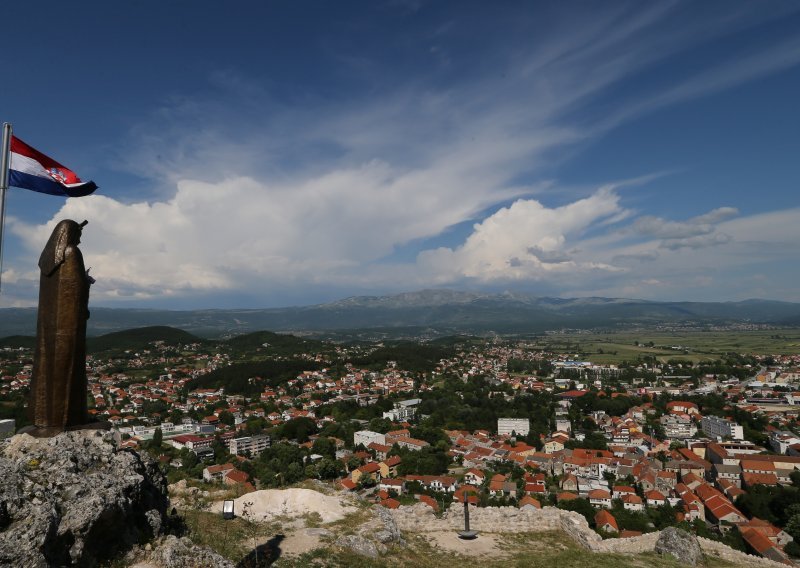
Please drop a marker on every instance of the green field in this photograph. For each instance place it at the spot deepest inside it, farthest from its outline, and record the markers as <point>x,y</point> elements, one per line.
<point>694,346</point>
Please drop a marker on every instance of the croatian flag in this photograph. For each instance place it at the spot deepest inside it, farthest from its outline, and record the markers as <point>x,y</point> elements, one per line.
<point>30,169</point>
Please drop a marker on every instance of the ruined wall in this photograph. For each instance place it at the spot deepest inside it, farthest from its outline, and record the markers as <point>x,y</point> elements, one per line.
<point>420,518</point>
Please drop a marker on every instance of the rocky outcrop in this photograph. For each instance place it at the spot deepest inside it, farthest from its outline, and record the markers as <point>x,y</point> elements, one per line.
<point>358,544</point>
<point>385,531</point>
<point>174,552</point>
<point>374,537</point>
<point>75,499</point>
<point>680,545</point>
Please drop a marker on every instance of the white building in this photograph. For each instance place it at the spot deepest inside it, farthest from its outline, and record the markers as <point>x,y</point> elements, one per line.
<point>563,425</point>
<point>781,440</point>
<point>252,445</point>
<point>678,427</point>
<point>403,410</point>
<point>367,437</point>
<point>520,426</point>
<point>716,427</point>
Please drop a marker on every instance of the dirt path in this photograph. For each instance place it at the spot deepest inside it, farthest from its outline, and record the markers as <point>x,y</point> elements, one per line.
<point>487,544</point>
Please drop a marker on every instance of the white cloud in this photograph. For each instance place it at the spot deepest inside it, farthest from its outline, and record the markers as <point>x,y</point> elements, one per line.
<point>697,232</point>
<point>523,241</point>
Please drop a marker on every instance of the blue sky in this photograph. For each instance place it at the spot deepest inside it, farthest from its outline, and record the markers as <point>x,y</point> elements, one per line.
<point>257,154</point>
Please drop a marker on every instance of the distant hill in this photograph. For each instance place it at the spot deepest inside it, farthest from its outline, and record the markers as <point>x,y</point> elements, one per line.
<point>408,355</point>
<point>429,312</point>
<point>15,341</point>
<point>140,338</point>
<point>279,344</point>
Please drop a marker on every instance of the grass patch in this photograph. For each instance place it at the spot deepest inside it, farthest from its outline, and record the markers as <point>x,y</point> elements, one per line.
<point>352,521</point>
<point>232,538</point>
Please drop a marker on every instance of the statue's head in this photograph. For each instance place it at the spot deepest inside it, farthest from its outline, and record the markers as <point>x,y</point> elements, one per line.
<point>66,234</point>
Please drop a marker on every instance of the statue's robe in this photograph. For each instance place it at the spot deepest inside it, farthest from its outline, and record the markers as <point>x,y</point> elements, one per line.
<point>58,385</point>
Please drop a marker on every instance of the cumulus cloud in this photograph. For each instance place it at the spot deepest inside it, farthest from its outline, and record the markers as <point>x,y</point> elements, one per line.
<point>241,232</point>
<point>523,241</point>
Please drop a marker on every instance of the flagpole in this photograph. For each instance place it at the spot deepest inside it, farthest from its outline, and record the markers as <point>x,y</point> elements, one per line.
<point>5,164</point>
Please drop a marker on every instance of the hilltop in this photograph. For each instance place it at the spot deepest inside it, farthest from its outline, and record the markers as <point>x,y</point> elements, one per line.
<point>321,526</point>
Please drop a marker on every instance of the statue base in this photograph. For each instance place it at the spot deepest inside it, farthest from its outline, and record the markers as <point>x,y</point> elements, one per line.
<point>50,431</point>
<point>467,535</point>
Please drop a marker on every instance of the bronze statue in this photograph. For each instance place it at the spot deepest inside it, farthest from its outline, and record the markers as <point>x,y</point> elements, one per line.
<point>58,385</point>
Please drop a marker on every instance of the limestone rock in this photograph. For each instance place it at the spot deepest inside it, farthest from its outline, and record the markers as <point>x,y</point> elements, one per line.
<point>681,545</point>
<point>74,499</point>
<point>174,552</point>
<point>387,532</point>
<point>359,545</point>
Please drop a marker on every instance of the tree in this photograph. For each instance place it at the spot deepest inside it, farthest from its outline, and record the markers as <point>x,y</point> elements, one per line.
<point>381,425</point>
<point>324,447</point>
<point>327,469</point>
<point>792,549</point>
<point>793,526</point>
<point>581,506</point>
<point>226,417</point>
<point>158,438</point>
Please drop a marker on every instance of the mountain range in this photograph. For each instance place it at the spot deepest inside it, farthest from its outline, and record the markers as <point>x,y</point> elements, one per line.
<point>432,311</point>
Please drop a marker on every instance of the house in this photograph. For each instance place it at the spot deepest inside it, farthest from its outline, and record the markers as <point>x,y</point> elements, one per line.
<point>388,467</point>
<point>692,481</point>
<point>655,498</point>
<point>683,407</point>
<point>381,450</point>
<point>443,483</point>
<point>600,498</point>
<point>474,476</point>
<point>569,482</point>
<point>535,483</point>
<point>235,477</point>
<point>620,490</point>
<point>529,503</point>
<point>566,496</point>
<point>719,509</point>
<point>777,536</point>
<point>390,503</point>
<point>435,482</point>
<point>732,473</point>
<point>410,443</point>
<point>761,544</point>
<point>605,522</point>
<point>396,485</point>
<point>632,502</point>
<point>370,471</point>
<point>552,445</point>
<point>496,485</point>
<point>216,472</point>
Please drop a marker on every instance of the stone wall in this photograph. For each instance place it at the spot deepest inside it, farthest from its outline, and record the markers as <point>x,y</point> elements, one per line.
<point>420,518</point>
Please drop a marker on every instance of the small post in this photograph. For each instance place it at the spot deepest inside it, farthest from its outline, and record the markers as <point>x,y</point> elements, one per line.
<point>467,533</point>
<point>5,165</point>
